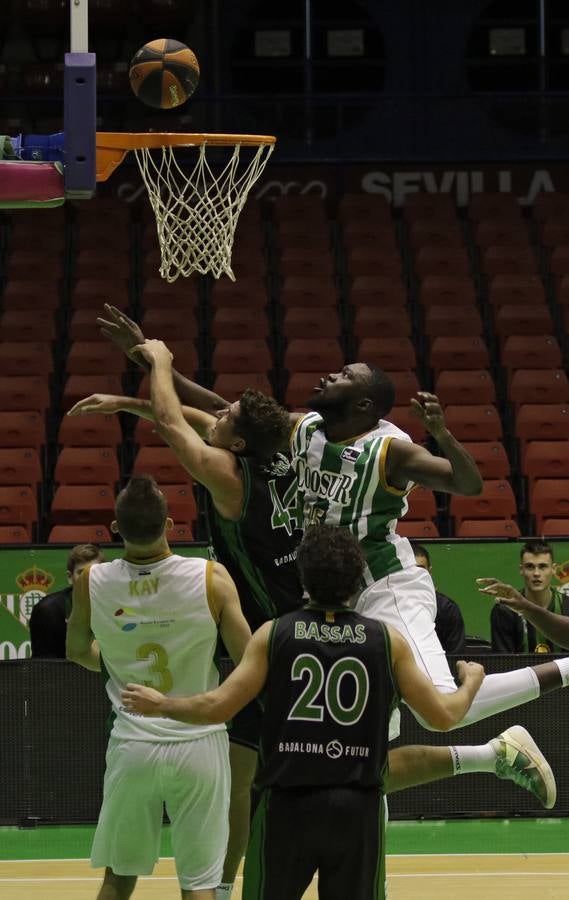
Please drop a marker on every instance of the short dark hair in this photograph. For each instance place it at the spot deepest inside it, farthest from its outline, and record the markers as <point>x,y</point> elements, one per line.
<point>83,553</point>
<point>263,424</point>
<point>331,564</point>
<point>536,547</point>
<point>419,550</point>
<point>141,510</point>
<point>382,391</point>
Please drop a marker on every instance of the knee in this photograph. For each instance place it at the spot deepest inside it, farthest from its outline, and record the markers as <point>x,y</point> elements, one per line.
<point>122,885</point>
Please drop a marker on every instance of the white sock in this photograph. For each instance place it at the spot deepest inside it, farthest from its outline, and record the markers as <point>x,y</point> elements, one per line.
<point>502,691</point>
<point>223,891</point>
<point>473,759</point>
<point>563,666</point>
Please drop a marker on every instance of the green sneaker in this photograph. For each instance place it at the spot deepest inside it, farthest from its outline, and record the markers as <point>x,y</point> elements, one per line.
<point>519,759</point>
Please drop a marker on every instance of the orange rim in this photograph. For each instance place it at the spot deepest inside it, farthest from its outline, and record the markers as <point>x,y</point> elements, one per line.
<point>113,146</point>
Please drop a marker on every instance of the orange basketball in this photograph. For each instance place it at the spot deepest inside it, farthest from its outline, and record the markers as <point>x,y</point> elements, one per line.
<point>164,73</point>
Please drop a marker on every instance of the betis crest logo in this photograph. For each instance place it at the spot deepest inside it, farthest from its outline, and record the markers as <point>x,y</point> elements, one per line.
<point>34,583</point>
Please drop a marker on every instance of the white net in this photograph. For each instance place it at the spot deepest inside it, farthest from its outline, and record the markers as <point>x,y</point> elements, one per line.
<point>197,209</point>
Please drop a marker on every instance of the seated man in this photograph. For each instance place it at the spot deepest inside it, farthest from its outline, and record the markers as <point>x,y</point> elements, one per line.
<point>449,623</point>
<point>48,621</point>
<point>512,633</point>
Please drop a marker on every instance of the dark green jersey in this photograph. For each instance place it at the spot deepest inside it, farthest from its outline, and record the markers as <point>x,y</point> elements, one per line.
<point>327,701</point>
<point>259,549</point>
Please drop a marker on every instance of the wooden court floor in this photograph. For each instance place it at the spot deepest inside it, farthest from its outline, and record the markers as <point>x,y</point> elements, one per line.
<point>421,877</point>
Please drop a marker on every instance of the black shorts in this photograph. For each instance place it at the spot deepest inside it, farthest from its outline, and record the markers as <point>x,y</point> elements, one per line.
<point>336,831</point>
<point>245,727</point>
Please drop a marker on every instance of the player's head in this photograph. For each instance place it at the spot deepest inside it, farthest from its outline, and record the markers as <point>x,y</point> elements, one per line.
<point>536,565</point>
<point>422,557</point>
<point>81,556</point>
<point>141,512</point>
<point>359,389</point>
<point>331,565</point>
<point>255,425</point>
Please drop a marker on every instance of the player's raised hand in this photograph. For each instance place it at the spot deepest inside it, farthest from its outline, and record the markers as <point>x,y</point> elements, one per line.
<point>125,333</point>
<point>504,593</point>
<point>154,351</point>
<point>104,404</point>
<point>428,409</point>
<point>470,672</point>
<point>143,700</point>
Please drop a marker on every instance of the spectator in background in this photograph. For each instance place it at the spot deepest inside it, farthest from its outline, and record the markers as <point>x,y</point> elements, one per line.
<point>511,632</point>
<point>449,623</point>
<point>48,621</point>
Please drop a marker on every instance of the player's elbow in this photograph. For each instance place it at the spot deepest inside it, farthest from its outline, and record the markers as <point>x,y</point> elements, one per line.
<point>441,719</point>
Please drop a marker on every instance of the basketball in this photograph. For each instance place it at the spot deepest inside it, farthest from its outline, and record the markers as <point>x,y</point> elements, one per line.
<point>164,73</point>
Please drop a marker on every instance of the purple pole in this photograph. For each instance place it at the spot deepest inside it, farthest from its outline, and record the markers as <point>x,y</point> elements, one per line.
<point>80,125</point>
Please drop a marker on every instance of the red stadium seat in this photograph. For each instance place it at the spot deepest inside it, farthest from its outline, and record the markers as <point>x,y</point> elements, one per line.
<point>555,528</point>
<point>86,465</point>
<point>20,393</point>
<point>20,465</point>
<point>545,459</point>
<point>320,355</point>
<point>77,387</point>
<point>241,356</point>
<point>448,321</point>
<point>532,320</point>
<point>306,262</point>
<point>367,233</point>
<point>94,292</point>
<point>21,294</point>
<point>239,322</point>
<point>422,504</point>
<point>355,207</point>
<point>83,325</point>
<point>417,530</point>
<point>390,354</point>
<point>493,205</point>
<point>90,262</point>
<point>83,504</point>
<point>245,293</point>
<point>474,423</point>
<point>230,386</point>
<point>14,534</point>
<point>23,358</point>
<point>485,528</point>
<point>407,421</point>
<point>508,260</point>
<point>181,502</point>
<point>447,290</point>
<point>292,235</point>
<point>469,386</point>
<point>162,464</point>
<point>551,205</point>
<point>379,291</point>
<point>497,501</point>
<point>79,534</point>
<point>501,232</point>
<point>182,294</point>
<point>538,386</point>
<point>435,259</point>
<point>377,321</point>
<point>554,232</point>
<point>542,422</point>
<point>299,388</point>
<point>37,325</point>
<point>299,207</point>
<point>93,357</point>
<point>145,434</point>
<point>298,290</point>
<point>22,429</point>
<point>376,260</point>
<point>182,531</point>
<point>517,289</point>
<point>490,457</point>
<point>299,322</point>
<point>89,431</point>
<point>169,324</point>
<point>458,353</point>
<point>549,499</point>
<point>539,351</point>
<point>406,385</point>
<point>18,506</point>
<point>425,205</point>
<point>559,260</point>
<point>435,232</point>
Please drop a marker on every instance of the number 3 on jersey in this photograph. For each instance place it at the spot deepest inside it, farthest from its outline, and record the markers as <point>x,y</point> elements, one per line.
<point>157,658</point>
<point>306,709</point>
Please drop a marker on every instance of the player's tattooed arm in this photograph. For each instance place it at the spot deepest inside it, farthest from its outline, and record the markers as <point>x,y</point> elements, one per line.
<point>81,646</point>
<point>127,335</point>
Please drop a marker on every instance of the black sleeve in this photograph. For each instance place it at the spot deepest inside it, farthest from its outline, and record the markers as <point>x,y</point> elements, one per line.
<point>48,631</point>
<point>449,625</point>
<point>506,629</point>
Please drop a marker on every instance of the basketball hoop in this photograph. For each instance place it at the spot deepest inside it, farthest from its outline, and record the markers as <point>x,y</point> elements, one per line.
<point>196,202</point>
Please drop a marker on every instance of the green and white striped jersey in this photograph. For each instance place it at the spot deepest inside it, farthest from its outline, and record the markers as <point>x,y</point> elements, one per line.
<point>344,484</point>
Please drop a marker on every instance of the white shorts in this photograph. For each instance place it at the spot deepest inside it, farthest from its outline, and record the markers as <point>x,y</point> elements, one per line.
<point>407,601</point>
<point>192,778</point>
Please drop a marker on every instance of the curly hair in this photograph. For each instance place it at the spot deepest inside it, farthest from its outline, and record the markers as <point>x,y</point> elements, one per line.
<point>262,423</point>
<point>141,510</point>
<point>330,563</point>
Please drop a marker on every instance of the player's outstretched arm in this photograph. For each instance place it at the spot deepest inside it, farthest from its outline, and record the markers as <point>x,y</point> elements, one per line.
<point>457,473</point>
<point>226,608</point>
<point>244,683</point>
<point>441,711</point>
<point>552,625</point>
<point>109,404</point>
<point>127,335</point>
<point>81,646</point>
